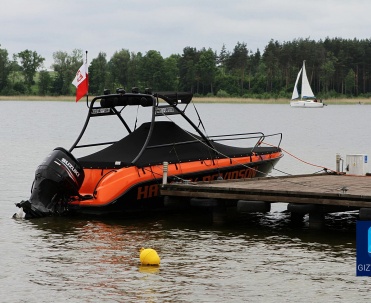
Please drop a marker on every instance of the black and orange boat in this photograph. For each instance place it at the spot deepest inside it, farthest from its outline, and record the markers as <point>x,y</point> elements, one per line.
<point>123,176</point>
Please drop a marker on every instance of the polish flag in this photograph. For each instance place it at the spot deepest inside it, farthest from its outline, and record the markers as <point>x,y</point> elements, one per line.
<point>81,82</point>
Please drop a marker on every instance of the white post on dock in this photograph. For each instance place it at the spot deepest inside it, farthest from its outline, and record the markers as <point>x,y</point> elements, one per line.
<point>164,175</point>
<point>338,160</point>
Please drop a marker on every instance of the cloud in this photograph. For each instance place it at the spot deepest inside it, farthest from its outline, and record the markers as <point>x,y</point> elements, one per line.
<point>170,25</point>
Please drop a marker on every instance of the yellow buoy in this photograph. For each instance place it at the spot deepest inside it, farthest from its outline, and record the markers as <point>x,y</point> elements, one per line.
<point>149,256</point>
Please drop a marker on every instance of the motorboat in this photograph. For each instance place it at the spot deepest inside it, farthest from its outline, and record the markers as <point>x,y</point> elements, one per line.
<point>124,176</point>
<point>307,98</point>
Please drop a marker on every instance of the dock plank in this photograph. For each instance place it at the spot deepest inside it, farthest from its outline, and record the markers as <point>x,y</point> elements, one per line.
<point>326,189</point>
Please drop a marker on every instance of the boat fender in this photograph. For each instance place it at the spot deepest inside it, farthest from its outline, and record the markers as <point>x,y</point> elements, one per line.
<point>253,206</point>
<point>302,208</point>
<point>204,202</point>
<point>149,256</point>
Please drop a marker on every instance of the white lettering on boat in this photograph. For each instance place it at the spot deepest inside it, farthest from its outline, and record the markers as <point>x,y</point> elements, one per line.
<point>100,111</point>
<point>70,166</point>
<point>165,111</point>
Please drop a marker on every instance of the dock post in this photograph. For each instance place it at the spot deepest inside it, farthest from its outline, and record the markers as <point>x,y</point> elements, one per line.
<point>217,208</point>
<point>316,220</point>
<point>338,160</point>
<point>364,214</point>
<point>219,212</point>
<point>165,170</point>
<point>176,202</point>
<point>298,211</point>
<point>297,219</point>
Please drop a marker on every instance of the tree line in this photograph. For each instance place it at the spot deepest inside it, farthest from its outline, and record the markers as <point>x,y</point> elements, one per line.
<point>336,67</point>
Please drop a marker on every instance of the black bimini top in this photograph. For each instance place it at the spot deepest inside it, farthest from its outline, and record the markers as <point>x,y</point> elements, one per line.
<point>168,143</point>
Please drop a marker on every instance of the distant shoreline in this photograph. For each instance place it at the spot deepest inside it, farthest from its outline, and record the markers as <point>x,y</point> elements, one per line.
<point>195,99</point>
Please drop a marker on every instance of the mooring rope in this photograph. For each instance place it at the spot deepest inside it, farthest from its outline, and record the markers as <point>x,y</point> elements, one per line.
<point>323,168</point>
<point>301,160</point>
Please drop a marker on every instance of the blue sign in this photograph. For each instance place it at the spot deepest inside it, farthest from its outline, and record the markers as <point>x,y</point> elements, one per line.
<point>363,243</point>
<point>365,158</point>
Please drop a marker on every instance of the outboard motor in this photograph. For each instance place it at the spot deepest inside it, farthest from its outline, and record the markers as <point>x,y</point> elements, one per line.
<point>57,178</point>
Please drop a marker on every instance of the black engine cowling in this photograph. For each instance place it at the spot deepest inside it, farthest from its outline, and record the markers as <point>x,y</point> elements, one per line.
<point>57,178</point>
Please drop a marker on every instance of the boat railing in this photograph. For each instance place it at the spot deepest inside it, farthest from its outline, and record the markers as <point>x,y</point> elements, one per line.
<point>261,140</point>
<point>95,144</point>
<point>216,138</point>
<point>247,136</point>
<point>230,137</point>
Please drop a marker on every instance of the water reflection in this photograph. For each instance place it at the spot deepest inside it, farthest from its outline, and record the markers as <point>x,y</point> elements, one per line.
<point>148,269</point>
<point>104,235</point>
<point>87,259</point>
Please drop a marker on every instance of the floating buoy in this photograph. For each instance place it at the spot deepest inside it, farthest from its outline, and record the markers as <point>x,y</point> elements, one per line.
<point>149,256</point>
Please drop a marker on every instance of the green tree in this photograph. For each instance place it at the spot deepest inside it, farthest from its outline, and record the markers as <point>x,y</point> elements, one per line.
<point>258,84</point>
<point>151,70</point>
<point>271,59</point>
<point>187,68</point>
<point>45,82</point>
<point>30,61</point>
<point>4,69</point>
<point>223,56</point>
<point>254,61</point>
<point>237,63</point>
<point>118,68</point>
<point>15,85</point>
<point>350,82</point>
<point>328,70</point>
<point>134,70</point>
<point>206,70</point>
<point>66,65</point>
<point>98,74</point>
<point>170,74</point>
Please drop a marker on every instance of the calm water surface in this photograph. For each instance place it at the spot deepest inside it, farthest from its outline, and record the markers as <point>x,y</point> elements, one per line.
<point>255,258</point>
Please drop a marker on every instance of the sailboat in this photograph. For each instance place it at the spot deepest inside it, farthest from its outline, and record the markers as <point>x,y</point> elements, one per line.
<point>307,98</point>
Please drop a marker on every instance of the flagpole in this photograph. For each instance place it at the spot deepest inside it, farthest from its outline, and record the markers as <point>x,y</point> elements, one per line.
<point>87,91</point>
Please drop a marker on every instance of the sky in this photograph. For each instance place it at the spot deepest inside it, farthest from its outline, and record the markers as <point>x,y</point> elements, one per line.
<point>168,26</point>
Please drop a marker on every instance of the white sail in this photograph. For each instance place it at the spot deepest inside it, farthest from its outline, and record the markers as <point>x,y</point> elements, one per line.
<point>307,98</point>
<point>295,93</point>
<point>306,90</point>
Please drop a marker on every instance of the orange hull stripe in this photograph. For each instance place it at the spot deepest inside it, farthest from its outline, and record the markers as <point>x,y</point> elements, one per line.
<point>112,183</point>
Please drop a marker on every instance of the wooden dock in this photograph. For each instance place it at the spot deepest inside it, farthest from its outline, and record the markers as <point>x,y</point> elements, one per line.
<point>314,194</point>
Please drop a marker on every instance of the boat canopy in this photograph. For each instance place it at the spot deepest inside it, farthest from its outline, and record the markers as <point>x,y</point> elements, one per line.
<point>158,141</point>
<point>168,142</point>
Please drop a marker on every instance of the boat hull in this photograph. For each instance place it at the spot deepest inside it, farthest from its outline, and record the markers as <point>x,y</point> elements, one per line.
<point>143,193</point>
<point>306,104</point>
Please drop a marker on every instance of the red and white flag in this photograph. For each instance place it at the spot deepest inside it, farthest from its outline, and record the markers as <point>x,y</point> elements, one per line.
<point>81,82</point>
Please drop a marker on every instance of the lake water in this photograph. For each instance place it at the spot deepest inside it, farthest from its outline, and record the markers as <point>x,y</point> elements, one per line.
<point>256,258</point>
